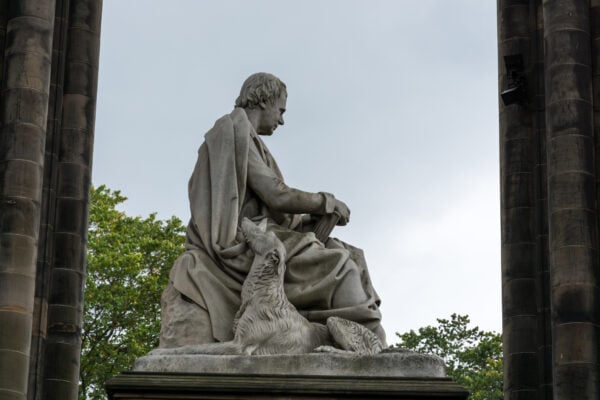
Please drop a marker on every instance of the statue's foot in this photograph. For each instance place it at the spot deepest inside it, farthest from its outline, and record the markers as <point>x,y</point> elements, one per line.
<point>158,352</point>
<point>224,348</point>
<point>169,350</point>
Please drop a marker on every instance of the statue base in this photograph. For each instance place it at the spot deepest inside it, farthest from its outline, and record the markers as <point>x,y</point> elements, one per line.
<point>399,375</point>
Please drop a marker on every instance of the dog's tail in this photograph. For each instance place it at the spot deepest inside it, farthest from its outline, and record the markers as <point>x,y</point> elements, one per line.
<point>224,348</point>
<point>352,336</point>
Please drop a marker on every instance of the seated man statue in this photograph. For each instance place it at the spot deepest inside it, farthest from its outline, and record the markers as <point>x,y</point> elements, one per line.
<point>235,177</point>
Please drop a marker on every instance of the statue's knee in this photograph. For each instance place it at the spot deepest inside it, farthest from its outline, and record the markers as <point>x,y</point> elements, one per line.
<point>183,321</point>
<point>350,291</point>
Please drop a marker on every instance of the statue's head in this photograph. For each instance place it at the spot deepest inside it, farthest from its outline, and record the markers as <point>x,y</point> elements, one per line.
<point>260,88</point>
<point>264,97</point>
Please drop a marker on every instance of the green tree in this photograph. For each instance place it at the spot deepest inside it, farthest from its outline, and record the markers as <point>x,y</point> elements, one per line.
<point>473,357</point>
<point>128,262</point>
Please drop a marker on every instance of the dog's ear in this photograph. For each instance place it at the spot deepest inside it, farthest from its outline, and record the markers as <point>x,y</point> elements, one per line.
<point>263,225</point>
<point>270,267</point>
<point>275,257</point>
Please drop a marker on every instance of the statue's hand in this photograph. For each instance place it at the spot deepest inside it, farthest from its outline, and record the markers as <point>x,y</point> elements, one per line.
<point>343,211</point>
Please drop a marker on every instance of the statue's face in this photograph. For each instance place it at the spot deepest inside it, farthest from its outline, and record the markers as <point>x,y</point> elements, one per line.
<point>271,116</point>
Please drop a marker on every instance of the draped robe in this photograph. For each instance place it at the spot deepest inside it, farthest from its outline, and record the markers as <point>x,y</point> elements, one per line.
<point>234,169</point>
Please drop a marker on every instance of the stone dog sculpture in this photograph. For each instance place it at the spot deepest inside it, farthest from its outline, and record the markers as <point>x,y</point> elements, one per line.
<point>267,323</point>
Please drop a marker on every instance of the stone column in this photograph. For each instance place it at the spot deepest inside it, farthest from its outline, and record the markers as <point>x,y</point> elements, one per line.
<point>540,188</point>
<point>49,57</point>
<point>518,207</point>
<point>574,271</point>
<point>47,223</point>
<point>73,177</point>
<point>23,110</point>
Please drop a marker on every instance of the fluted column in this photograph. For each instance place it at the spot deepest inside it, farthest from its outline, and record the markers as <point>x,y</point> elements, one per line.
<point>23,111</point>
<point>540,184</point>
<point>74,162</point>
<point>575,295</point>
<point>595,44</point>
<point>518,208</point>
<point>46,242</point>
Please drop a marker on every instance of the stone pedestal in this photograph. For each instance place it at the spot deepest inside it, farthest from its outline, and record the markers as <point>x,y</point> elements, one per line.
<point>404,375</point>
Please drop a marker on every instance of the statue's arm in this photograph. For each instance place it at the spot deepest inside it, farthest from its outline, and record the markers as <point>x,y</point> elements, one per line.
<point>278,196</point>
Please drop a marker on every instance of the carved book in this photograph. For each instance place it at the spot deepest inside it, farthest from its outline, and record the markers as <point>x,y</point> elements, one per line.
<point>325,226</point>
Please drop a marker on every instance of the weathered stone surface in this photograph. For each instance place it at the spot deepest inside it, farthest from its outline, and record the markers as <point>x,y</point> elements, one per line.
<point>404,364</point>
<point>549,177</point>
<point>164,386</point>
<point>236,177</point>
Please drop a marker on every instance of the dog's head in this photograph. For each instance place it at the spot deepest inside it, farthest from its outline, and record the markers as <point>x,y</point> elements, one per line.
<point>260,241</point>
<point>269,251</point>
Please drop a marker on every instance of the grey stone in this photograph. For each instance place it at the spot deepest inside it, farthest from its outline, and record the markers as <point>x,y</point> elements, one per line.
<point>401,364</point>
<point>549,177</point>
<point>235,177</point>
<point>197,386</point>
<point>266,322</point>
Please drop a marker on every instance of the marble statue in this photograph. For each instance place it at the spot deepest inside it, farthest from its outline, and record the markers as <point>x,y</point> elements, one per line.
<point>236,177</point>
<point>267,323</point>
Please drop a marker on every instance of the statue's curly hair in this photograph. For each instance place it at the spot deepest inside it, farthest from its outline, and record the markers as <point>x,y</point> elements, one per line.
<point>259,88</point>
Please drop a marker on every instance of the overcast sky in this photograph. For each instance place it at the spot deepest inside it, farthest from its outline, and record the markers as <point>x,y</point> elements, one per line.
<point>392,106</point>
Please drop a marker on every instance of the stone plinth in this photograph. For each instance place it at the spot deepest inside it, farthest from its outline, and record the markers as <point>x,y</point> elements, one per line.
<point>404,364</point>
<point>404,375</point>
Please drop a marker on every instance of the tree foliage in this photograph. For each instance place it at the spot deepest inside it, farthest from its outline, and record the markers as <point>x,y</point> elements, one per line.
<point>128,262</point>
<point>473,357</point>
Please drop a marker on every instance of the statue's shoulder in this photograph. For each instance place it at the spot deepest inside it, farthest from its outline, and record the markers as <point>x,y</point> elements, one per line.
<point>235,122</point>
<point>223,123</point>
<point>240,120</point>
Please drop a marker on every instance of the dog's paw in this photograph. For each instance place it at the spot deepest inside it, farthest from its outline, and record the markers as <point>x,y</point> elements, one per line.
<point>331,349</point>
